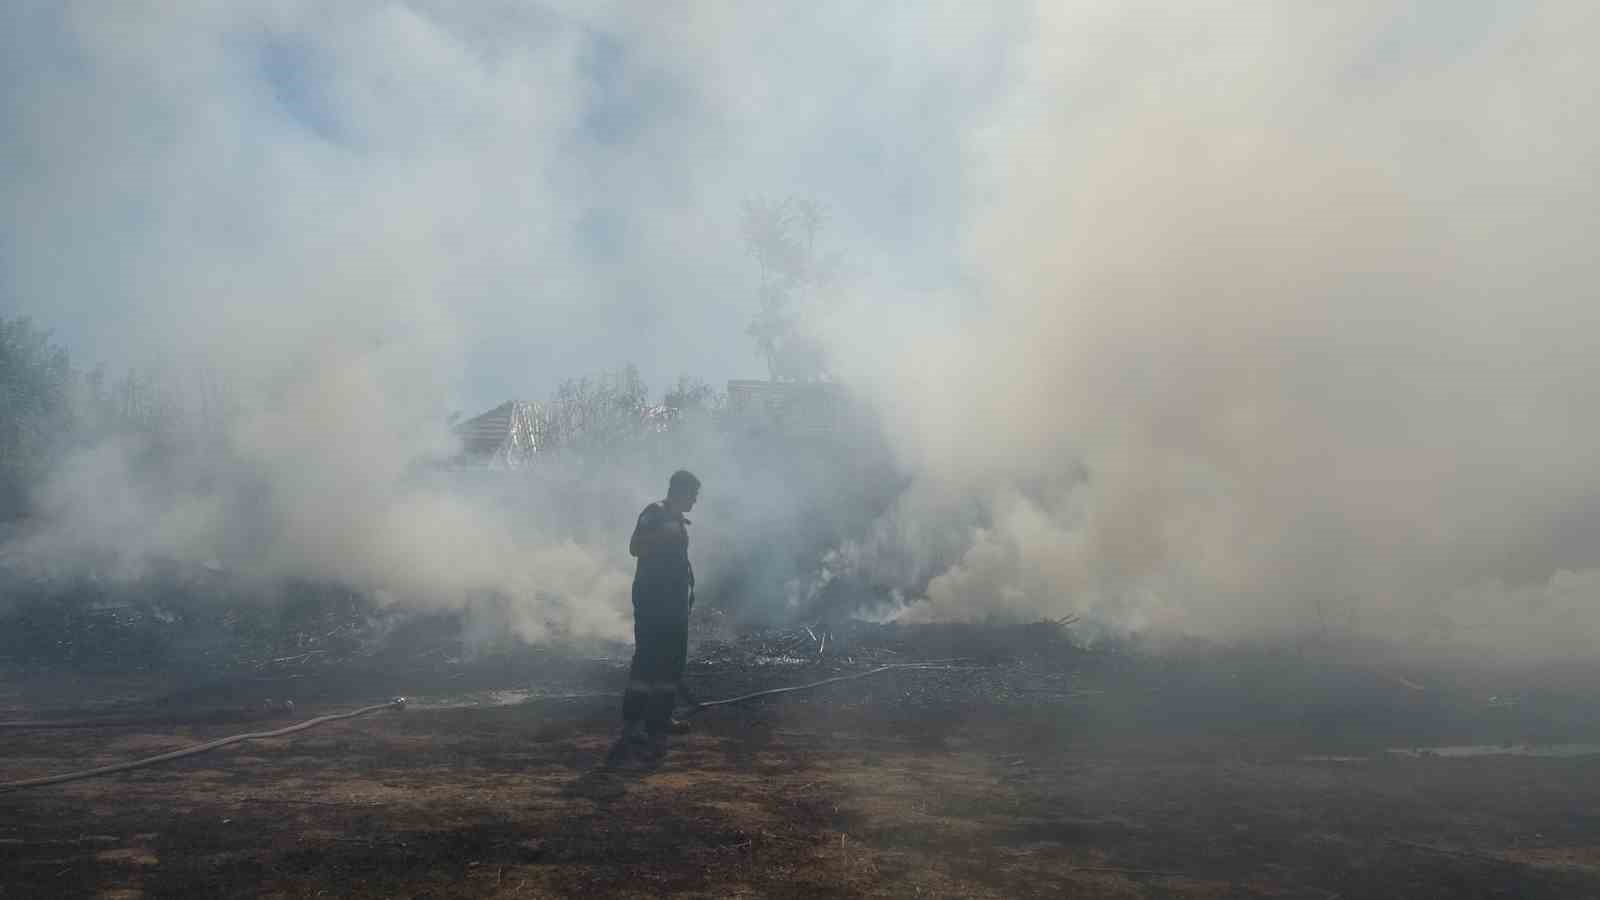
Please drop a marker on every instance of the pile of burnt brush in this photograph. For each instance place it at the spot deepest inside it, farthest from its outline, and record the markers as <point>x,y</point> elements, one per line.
<point>909,671</point>
<point>310,641</point>
<point>159,623</point>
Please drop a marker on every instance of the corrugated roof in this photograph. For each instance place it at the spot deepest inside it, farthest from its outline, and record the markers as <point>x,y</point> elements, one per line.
<point>484,435</point>
<point>508,434</point>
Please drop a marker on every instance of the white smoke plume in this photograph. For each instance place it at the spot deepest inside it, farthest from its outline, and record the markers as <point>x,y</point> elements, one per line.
<point>1236,318</point>
<point>1305,290</point>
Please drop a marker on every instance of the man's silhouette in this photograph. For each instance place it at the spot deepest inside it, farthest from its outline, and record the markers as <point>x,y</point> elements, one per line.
<point>663,593</point>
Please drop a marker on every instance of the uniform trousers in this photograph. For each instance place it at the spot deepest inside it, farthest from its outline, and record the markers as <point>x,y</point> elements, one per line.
<point>660,649</point>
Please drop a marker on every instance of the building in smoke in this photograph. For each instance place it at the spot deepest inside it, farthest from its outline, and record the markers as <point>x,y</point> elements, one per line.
<point>508,436</point>
<point>512,434</point>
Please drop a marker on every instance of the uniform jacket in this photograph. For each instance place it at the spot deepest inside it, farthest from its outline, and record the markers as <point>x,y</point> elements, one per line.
<point>663,552</point>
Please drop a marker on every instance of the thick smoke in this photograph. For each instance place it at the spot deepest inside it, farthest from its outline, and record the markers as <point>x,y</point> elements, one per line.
<point>1305,292</point>
<point>312,208</point>
<point>1230,318</point>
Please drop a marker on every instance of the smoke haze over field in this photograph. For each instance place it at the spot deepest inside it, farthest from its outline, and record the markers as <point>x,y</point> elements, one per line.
<point>1236,318</point>
<point>1306,293</point>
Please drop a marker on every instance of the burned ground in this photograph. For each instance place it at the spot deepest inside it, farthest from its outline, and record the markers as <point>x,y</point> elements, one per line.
<point>1026,766</point>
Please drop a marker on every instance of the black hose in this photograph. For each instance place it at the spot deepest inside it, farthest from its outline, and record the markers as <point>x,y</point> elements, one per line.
<point>6,786</point>
<point>399,703</point>
<point>698,707</point>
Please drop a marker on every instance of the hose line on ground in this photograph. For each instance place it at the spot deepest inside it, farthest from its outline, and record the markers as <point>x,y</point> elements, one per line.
<point>699,707</point>
<point>5,786</point>
<point>399,703</point>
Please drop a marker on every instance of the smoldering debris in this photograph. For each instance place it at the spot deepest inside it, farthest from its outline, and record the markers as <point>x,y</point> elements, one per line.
<point>1046,681</point>
<point>861,643</point>
<point>200,651</point>
<point>155,624</point>
<point>925,673</point>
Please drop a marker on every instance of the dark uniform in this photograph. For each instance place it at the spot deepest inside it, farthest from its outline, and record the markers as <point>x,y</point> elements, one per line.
<point>663,592</point>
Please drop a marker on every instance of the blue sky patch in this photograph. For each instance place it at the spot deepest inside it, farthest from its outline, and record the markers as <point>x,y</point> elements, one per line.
<point>295,76</point>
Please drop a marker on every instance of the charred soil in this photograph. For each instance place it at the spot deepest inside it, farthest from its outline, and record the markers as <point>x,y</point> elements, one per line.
<point>1027,767</point>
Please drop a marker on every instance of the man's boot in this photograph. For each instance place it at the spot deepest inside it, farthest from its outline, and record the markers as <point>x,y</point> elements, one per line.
<point>631,746</point>
<point>655,748</point>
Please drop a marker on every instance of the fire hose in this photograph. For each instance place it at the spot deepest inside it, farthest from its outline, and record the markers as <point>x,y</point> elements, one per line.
<point>399,703</point>
<point>5,786</point>
<point>700,707</point>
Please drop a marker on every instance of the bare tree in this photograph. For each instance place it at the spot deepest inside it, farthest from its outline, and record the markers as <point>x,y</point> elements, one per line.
<point>782,237</point>
<point>597,414</point>
<point>35,379</point>
<point>691,396</point>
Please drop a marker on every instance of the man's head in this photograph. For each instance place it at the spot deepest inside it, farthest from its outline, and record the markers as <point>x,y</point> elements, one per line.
<point>683,490</point>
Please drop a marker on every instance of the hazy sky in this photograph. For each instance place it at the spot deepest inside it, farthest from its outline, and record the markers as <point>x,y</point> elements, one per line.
<point>558,185</point>
<point>552,181</point>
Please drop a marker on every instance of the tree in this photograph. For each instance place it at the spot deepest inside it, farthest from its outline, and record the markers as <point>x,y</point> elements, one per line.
<point>597,414</point>
<point>782,237</point>
<point>35,380</point>
<point>690,396</point>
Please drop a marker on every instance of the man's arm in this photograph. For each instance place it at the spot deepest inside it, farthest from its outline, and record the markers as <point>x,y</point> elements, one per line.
<point>654,527</point>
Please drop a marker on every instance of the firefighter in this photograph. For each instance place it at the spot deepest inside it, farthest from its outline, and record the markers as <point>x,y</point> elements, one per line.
<point>663,594</point>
